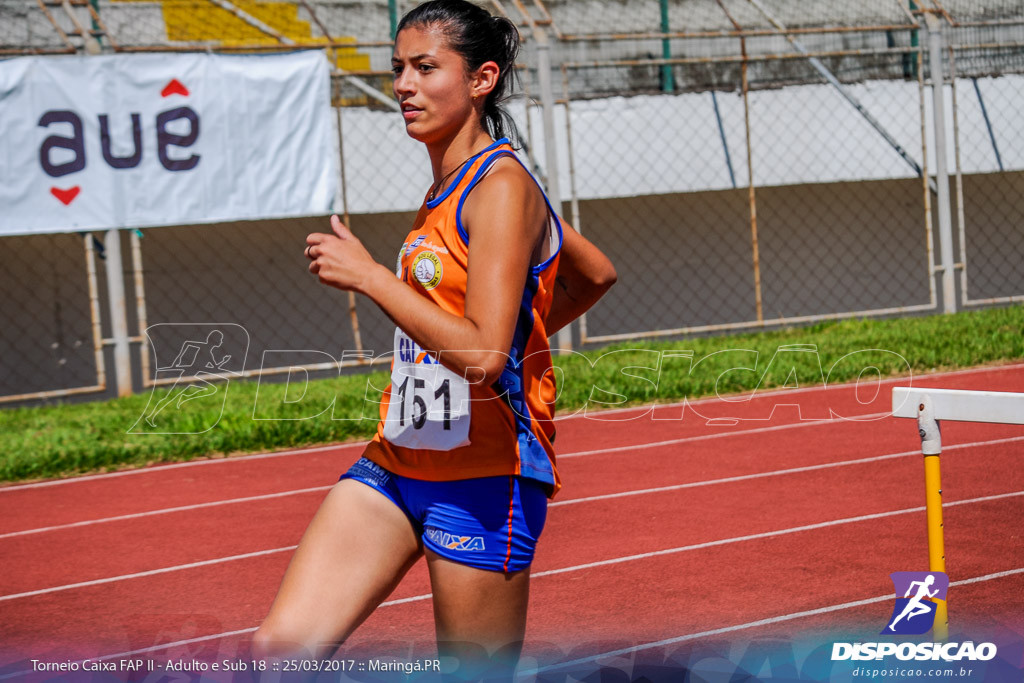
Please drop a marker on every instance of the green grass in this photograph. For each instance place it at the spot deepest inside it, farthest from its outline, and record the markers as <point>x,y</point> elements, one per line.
<point>62,440</point>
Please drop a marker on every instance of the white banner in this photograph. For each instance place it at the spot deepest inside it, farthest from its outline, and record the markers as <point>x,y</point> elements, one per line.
<point>133,141</point>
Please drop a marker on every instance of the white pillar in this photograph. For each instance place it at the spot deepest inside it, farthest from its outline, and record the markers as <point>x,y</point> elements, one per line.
<point>563,340</point>
<point>941,170</point>
<point>118,314</point>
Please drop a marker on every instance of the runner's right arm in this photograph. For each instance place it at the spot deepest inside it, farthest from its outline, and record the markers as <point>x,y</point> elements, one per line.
<point>584,275</point>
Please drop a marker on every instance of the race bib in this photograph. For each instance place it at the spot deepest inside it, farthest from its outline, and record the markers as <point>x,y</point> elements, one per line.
<point>429,406</point>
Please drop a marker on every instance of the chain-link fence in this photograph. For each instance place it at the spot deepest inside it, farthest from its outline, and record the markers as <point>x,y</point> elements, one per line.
<point>989,160</point>
<point>746,163</point>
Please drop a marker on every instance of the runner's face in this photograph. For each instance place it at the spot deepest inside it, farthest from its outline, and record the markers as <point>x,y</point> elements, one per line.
<point>431,84</point>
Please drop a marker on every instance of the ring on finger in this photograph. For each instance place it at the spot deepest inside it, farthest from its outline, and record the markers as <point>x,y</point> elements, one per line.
<point>308,255</point>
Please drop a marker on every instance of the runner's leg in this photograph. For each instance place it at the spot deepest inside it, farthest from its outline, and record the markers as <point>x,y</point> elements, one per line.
<point>479,615</point>
<point>355,551</point>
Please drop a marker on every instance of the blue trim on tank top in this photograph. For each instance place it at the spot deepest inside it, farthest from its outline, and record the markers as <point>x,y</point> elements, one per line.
<point>534,461</point>
<point>462,173</point>
<point>476,178</point>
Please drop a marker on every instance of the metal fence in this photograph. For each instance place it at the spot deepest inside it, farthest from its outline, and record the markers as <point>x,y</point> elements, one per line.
<point>746,163</point>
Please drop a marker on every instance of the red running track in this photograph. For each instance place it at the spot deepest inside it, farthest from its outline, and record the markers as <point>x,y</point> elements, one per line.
<point>776,520</point>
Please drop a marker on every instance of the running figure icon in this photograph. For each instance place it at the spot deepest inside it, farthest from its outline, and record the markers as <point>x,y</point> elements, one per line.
<point>916,605</point>
<point>189,361</point>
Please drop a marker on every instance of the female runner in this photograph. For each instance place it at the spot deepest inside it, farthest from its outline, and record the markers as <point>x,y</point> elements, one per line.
<point>462,465</point>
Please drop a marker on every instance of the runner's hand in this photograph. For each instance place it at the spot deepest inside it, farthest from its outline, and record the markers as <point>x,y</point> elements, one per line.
<point>340,260</point>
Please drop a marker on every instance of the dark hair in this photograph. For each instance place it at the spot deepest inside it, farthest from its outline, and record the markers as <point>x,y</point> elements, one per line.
<point>478,37</point>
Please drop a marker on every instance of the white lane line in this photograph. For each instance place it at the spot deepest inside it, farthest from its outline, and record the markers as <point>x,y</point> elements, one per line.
<point>572,501</point>
<point>550,572</point>
<point>718,435</point>
<point>729,480</point>
<point>178,465</point>
<point>776,473</point>
<point>151,572</point>
<point>614,449</point>
<point>770,534</point>
<point>578,415</point>
<point>165,511</point>
<point>754,624</point>
<point>770,393</point>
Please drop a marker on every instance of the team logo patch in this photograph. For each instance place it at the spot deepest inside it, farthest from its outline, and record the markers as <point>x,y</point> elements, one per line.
<point>427,269</point>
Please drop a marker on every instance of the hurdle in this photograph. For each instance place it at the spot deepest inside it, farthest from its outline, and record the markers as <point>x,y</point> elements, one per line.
<point>930,406</point>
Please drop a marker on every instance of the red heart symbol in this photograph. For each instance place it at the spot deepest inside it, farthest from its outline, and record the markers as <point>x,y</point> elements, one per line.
<point>174,87</point>
<point>65,196</point>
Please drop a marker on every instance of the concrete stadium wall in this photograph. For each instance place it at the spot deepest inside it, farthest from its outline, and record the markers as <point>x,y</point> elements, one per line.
<point>683,259</point>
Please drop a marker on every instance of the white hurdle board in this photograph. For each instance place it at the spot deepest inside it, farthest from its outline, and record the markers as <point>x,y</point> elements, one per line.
<point>1000,407</point>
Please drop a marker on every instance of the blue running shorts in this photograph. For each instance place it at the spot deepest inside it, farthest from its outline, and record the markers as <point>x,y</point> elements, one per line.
<point>490,523</point>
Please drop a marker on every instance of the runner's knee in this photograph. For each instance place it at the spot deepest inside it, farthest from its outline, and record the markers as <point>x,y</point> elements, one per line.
<point>277,641</point>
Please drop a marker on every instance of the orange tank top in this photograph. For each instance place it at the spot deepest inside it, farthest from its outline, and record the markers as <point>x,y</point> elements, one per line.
<point>433,424</point>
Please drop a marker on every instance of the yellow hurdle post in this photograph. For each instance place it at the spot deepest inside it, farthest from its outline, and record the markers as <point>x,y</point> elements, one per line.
<point>929,405</point>
<point>931,447</point>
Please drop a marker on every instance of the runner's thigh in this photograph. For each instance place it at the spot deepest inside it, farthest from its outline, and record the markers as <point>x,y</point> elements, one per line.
<point>354,553</point>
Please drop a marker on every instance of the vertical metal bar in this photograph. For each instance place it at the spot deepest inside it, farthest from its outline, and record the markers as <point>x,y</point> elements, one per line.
<point>95,11</point>
<point>527,142</point>
<point>668,83</point>
<point>140,307</point>
<point>960,214</point>
<point>725,143</point>
<point>574,199</point>
<point>755,249</point>
<point>94,311</point>
<point>352,313</point>
<point>751,193</point>
<point>563,340</point>
<point>118,315</point>
<point>547,100</point>
<point>529,128</point>
<point>941,172</point>
<point>89,41</point>
<point>915,40</point>
<point>931,448</point>
<point>99,25</point>
<point>988,124</point>
<point>524,83</point>
<point>393,17</point>
<point>574,195</point>
<point>925,184</point>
